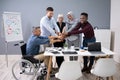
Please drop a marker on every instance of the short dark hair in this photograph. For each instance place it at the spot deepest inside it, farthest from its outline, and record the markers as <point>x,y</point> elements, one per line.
<point>49,9</point>
<point>36,27</point>
<point>85,14</point>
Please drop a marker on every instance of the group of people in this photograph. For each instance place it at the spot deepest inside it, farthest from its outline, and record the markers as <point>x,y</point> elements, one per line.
<point>58,33</point>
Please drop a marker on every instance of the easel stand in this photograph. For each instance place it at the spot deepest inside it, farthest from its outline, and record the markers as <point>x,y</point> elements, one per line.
<point>6,50</point>
<point>12,32</point>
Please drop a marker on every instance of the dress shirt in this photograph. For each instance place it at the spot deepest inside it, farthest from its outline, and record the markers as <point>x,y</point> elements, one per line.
<point>48,26</point>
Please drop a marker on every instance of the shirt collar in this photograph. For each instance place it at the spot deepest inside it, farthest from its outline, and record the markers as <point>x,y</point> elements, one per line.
<point>85,23</point>
<point>48,18</point>
<point>34,35</point>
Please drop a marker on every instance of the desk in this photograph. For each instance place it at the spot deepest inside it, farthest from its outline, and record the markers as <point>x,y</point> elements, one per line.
<point>80,53</point>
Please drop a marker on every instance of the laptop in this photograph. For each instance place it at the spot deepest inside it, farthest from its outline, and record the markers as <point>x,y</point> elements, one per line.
<point>95,48</point>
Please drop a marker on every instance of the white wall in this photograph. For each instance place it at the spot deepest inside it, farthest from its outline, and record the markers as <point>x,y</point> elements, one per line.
<point>106,39</point>
<point>115,27</point>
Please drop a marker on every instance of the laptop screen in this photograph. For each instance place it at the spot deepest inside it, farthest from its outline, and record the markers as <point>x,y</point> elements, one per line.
<point>96,46</point>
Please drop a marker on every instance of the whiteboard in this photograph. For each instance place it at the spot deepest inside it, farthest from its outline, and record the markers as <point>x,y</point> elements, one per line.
<point>12,26</point>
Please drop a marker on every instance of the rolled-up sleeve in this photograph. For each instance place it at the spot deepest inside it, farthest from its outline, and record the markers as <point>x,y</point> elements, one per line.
<point>42,40</point>
<point>43,23</point>
<point>55,25</point>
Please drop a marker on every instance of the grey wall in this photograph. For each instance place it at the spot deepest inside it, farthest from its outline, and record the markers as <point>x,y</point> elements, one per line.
<point>33,10</point>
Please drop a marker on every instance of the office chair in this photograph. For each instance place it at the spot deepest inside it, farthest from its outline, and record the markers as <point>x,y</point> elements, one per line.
<point>69,70</point>
<point>104,67</point>
<point>28,65</point>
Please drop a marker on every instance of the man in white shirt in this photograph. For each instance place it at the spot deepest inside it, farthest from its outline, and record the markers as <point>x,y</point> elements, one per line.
<point>48,24</point>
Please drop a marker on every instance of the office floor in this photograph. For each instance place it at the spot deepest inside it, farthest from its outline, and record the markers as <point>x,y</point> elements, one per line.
<point>6,72</point>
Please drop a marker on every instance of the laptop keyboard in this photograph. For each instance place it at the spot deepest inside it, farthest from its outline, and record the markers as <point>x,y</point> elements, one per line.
<point>69,52</point>
<point>96,52</point>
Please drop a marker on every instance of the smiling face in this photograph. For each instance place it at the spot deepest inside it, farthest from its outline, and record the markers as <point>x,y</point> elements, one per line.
<point>83,19</point>
<point>50,14</point>
<point>70,17</point>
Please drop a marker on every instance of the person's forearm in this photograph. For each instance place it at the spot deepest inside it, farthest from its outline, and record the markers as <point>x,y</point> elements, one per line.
<point>52,32</point>
<point>84,30</point>
<point>56,26</point>
<point>63,31</point>
<point>54,41</point>
<point>58,40</point>
<point>73,27</point>
<point>52,37</point>
<point>74,32</point>
<point>76,28</point>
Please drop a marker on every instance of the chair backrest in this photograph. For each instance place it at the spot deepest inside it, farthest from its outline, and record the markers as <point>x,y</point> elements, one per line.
<point>105,67</point>
<point>70,70</point>
<point>23,49</point>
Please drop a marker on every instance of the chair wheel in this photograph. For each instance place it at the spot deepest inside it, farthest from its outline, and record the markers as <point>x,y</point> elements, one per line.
<point>22,71</point>
<point>44,71</point>
<point>40,78</point>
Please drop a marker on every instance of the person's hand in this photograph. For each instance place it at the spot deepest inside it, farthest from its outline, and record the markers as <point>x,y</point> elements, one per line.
<point>61,37</point>
<point>55,40</point>
<point>58,33</point>
<point>64,35</point>
<point>55,37</point>
<point>51,41</point>
<point>58,40</point>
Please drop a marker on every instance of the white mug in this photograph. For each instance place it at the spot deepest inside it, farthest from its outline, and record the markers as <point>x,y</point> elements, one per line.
<point>72,47</point>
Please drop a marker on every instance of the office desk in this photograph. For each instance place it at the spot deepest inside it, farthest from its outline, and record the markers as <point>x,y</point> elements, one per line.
<point>48,52</point>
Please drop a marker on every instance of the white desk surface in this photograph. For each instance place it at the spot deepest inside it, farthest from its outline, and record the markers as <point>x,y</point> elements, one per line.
<point>80,52</point>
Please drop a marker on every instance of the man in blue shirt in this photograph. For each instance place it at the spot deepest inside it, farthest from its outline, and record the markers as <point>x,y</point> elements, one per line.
<point>48,24</point>
<point>34,42</point>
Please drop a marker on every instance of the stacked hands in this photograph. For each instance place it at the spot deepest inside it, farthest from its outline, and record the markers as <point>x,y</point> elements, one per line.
<point>59,38</point>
